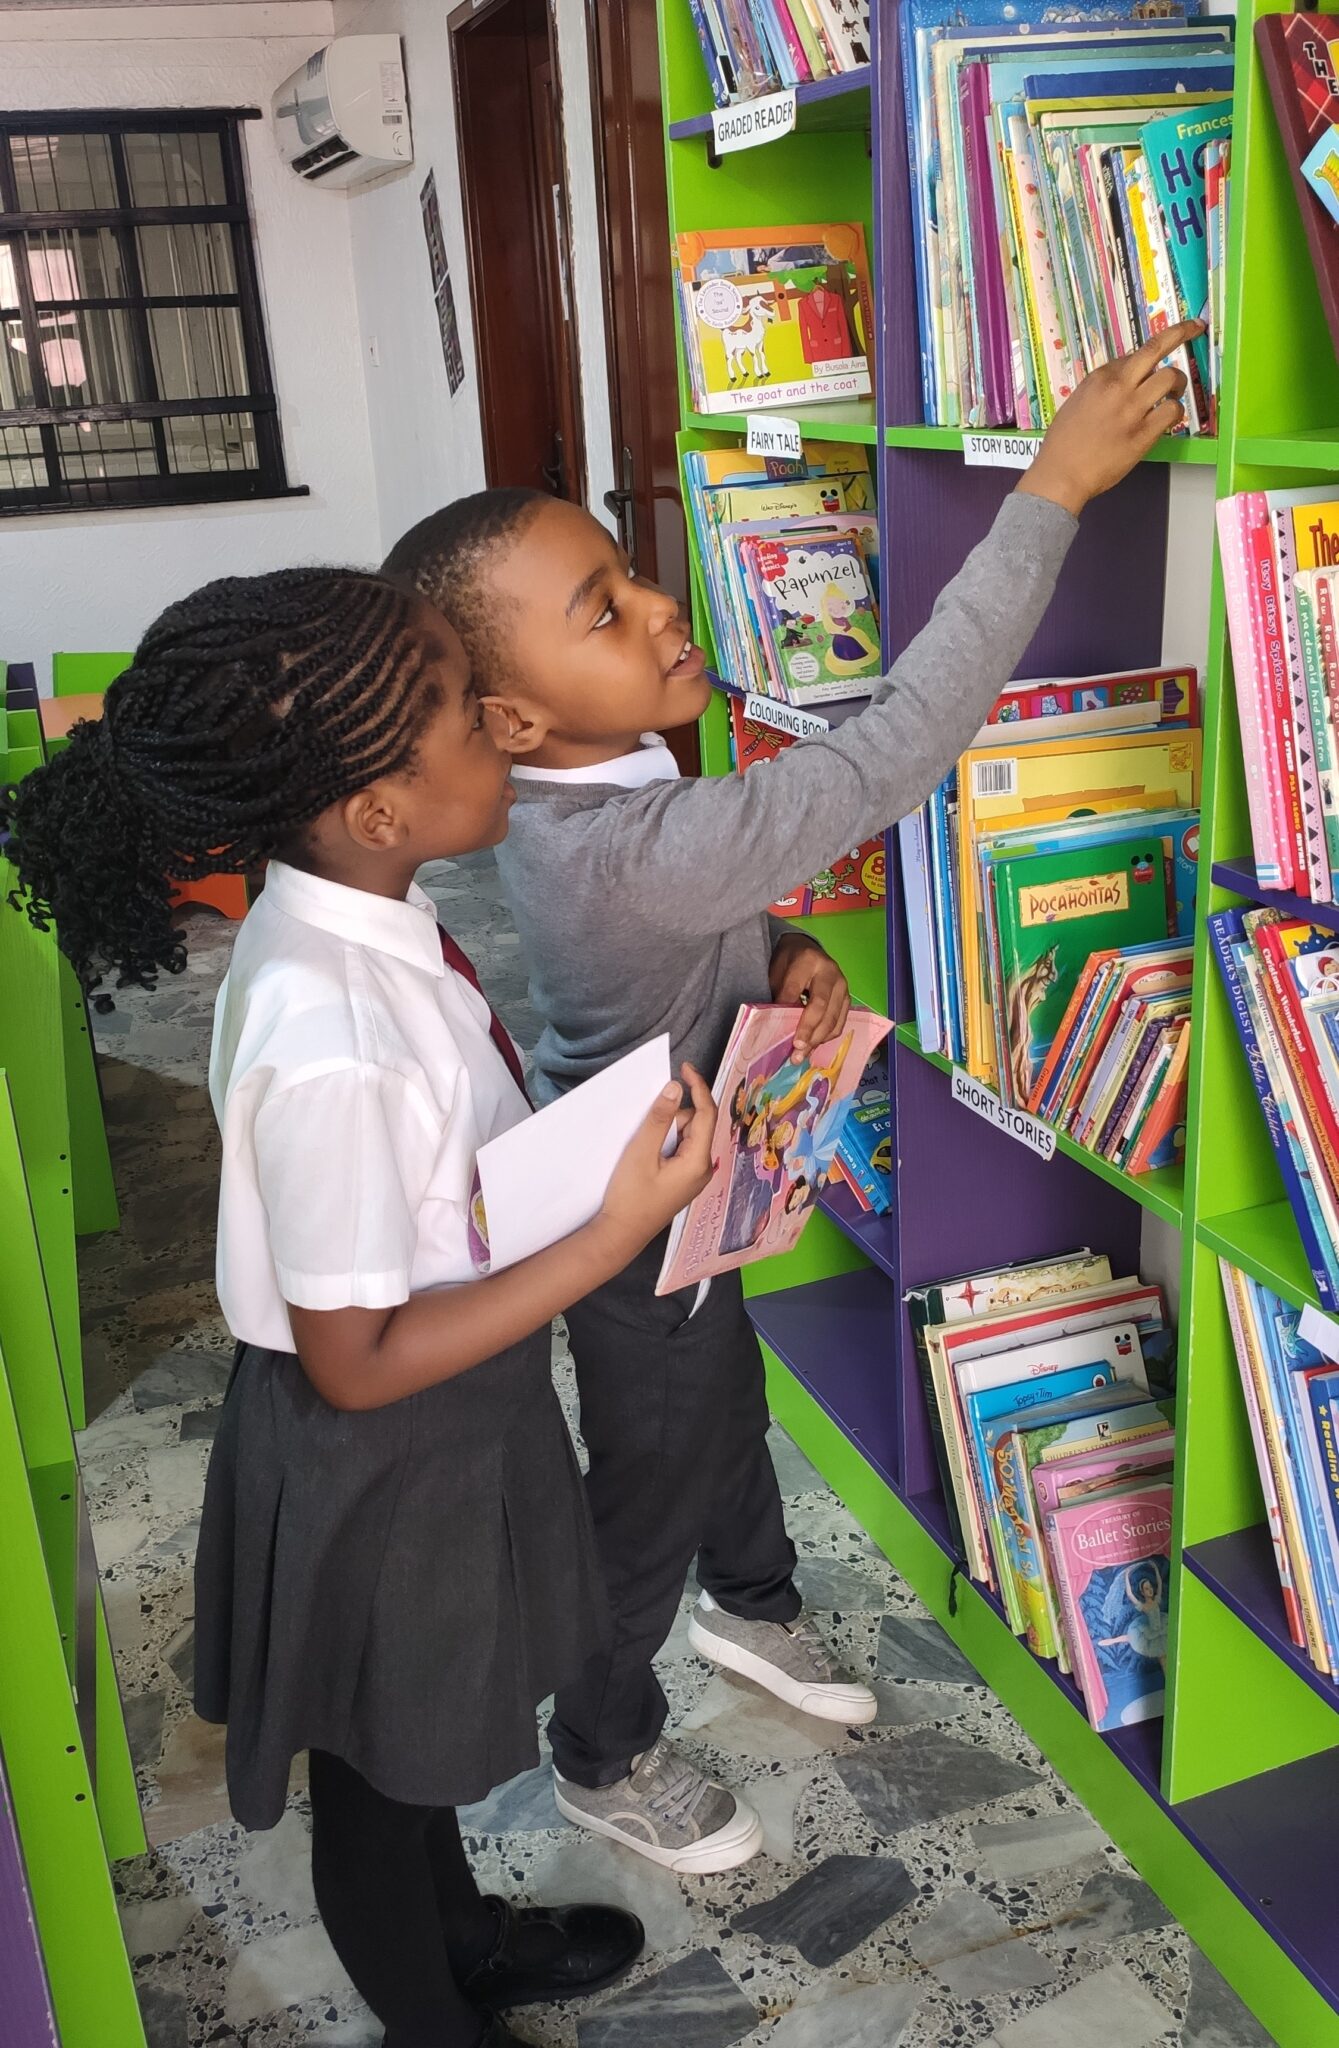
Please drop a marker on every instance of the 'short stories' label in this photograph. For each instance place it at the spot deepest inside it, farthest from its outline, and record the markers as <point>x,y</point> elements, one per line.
<point>769,435</point>
<point>1015,1123</point>
<point>999,451</point>
<point>751,122</point>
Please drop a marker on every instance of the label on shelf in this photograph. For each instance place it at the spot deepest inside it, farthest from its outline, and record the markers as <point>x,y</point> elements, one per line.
<point>751,122</point>
<point>1320,1330</point>
<point>1015,1123</point>
<point>784,717</point>
<point>770,435</point>
<point>999,451</point>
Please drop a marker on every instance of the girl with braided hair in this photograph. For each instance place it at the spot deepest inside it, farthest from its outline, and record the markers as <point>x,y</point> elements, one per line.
<point>395,1563</point>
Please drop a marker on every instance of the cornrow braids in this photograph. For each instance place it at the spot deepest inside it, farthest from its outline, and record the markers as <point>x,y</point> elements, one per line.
<point>249,708</point>
<point>445,559</point>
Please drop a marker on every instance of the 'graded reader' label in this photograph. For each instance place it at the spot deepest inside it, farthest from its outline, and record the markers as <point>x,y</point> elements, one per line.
<point>1015,1123</point>
<point>771,436</point>
<point>999,451</point>
<point>750,122</point>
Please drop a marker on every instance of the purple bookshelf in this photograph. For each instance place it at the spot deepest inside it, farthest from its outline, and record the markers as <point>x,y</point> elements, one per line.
<point>1241,878</point>
<point>841,102</point>
<point>28,2020</point>
<point>1241,1570</point>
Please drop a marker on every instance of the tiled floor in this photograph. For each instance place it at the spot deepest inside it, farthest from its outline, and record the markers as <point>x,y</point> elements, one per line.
<point>927,1882</point>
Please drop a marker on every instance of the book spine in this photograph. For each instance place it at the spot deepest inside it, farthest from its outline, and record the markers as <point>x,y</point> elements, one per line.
<point>1266,1459</point>
<point>1262,573</point>
<point>1327,630</point>
<point>1223,927</point>
<point>1320,1387</point>
<point>1303,613</point>
<point>1257,733</point>
<point>1286,1003</point>
<point>918,1311</point>
<point>721,82</point>
<point>1307,742</point>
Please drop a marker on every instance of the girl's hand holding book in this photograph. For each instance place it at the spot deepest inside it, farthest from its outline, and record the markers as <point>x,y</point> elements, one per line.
<point>650,1186</point>
<point>1111,421</point>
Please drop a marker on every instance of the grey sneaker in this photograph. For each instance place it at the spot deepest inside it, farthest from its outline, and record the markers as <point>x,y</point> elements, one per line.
<point>790,1659</point>
<point>669,1812</point>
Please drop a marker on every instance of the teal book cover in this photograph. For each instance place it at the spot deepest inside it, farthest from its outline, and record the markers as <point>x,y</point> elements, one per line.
<point>1174,149</point>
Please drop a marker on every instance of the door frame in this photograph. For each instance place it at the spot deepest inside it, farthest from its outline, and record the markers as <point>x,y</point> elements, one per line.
<point>460,20</point>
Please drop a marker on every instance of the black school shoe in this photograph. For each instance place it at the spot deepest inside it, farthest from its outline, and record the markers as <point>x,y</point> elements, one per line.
<point>552,1952</point>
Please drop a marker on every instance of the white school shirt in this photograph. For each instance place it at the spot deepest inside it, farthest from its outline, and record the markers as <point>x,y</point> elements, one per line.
<point>354,1080</point>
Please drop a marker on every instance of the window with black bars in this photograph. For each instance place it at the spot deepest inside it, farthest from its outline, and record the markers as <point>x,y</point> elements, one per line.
<point>133,365</point>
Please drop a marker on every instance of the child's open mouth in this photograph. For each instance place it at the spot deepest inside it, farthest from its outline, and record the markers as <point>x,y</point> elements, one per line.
<point>690,661</point>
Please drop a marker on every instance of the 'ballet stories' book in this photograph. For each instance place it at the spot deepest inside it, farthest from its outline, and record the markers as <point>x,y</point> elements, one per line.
<point>778,1123</point>
<point>1112,1558</point>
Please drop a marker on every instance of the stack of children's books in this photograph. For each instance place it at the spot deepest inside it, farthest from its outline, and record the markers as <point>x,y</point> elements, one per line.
<point>753,47</point>
<point>1282,979</point>
<point>789,554</point>
<point>1280,556</point>
<point>863,1162</point>
<point>1069,191</point>
<point>780,1118</point>
<point>775,316</point>
<point>1292,1402</point>
<point>1050,896</point>
<point>1047,1391</point>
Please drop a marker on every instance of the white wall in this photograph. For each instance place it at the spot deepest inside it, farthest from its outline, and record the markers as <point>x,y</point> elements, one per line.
<point>428,445</point>
<point>95,580</point>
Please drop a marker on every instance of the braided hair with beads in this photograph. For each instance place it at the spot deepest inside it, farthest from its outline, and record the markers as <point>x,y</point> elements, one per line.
<point>249,709</point>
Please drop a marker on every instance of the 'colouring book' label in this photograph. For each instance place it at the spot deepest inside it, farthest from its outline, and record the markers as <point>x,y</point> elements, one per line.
<point>1015,1123</point>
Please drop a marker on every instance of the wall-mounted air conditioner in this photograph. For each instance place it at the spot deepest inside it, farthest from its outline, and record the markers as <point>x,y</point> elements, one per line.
<point>344,116</point>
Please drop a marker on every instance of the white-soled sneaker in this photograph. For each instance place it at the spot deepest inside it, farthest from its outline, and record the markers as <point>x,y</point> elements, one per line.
<point>789,1659</point>
<point>668,1811</point>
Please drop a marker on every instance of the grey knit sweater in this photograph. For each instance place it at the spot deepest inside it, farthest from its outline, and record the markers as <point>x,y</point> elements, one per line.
<point>645,910</point>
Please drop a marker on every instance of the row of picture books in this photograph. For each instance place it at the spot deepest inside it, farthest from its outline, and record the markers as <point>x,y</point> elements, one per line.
<point>1048,1388</point>
<point>857,877</point>
<point>1282,979</point>
<point>863,1162</point>
<point>1280,557</point>
<point>753,47</point>
<point>773,316</point>
<point>1291,1390</point>
<point>789,554</point>
<point>1069,189</point>
<point>1050,888</point>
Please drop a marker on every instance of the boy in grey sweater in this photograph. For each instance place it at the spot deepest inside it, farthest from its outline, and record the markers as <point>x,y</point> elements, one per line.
<point>641,900</point>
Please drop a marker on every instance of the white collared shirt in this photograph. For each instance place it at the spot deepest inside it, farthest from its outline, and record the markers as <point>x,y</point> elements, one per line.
<point>652,761</point>
<point>354,1080</point>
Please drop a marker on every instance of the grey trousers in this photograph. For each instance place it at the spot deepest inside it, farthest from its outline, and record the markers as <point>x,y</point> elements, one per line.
<point>674,1414</point>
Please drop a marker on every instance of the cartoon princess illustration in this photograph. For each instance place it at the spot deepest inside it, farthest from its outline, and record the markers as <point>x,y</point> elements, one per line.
<point>851,650</point>
<point>1146,1630</point>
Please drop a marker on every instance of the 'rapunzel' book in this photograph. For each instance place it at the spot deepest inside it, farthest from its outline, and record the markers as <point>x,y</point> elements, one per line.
<point>778,1122</point>
<point>819,621</point>
<point>775,316</point>
<point>1112,1561</point>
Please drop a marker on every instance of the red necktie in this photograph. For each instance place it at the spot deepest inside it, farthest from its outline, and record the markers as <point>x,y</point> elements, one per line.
<point>497,1030</point>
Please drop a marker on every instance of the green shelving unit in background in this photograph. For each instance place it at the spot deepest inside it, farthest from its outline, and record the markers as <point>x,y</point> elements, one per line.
<point>1229,1809</point>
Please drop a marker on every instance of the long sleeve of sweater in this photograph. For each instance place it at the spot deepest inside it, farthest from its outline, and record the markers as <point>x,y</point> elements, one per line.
<point>673,851</point>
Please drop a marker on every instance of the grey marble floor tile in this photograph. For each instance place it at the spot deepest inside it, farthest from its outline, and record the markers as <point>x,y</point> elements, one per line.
<point>830,1586</point>
<point>795,1475</point>
<point>833,2015</point>
<point>581,1869</point>
<point>1111,1904</point>
<point>1215,2016</point>
<point>164,2011</point>
<point>200,1425</point>
<point>926,1775</point>
<point>774,1799</point>
<point>695,2003</point>
<point>831,1909</point>
<point>181,1379</point>
<point>1110,2009</point>
<point>904,1706</point>
<point>974,1951</point>
<point>523,1806</point>
<point>287,1968</point>
<point>914,1648</point>
<point>154,1927</point>
<point>144,1726</point>
<point>735,1716</point>
<point>1013,1850</point>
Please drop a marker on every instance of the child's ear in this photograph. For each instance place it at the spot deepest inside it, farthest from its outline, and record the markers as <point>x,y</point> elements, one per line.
<point>518,727</point>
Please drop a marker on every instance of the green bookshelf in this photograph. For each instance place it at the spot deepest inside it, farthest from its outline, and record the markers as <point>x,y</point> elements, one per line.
<point>1229,1808</point>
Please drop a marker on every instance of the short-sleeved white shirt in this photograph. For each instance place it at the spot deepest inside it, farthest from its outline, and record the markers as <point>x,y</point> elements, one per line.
<point>354,1080</point>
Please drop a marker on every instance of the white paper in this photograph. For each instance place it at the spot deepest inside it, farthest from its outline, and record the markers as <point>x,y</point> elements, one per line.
<point>750,122</point>
<point>1015,1123</point>
<point>769,434</point>
<point>999,451</point>
<point>1320,1330</point>
<point>549,1175</point>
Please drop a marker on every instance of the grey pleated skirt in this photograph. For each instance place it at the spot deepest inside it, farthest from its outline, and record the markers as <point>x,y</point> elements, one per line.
<point>400,1587</point>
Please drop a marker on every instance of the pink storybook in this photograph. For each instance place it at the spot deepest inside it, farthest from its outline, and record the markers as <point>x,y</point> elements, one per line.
<point>778,1123</point>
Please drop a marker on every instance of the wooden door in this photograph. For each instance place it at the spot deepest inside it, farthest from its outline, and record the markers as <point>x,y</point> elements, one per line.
<point>514,192</point>
<point>639,300</point>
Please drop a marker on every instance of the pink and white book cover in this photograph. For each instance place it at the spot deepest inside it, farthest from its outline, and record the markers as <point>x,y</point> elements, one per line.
<point>1259,736</point>
<point>1112,1563</point>
<point>779,1120</point>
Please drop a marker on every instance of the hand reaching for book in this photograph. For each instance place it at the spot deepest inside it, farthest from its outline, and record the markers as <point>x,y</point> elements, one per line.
<point>1110,421</point>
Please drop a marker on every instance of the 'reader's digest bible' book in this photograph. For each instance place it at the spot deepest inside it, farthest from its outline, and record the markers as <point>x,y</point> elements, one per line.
<point>778,1122</point>
<point>1300,54</point>
<point>775,316</point>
